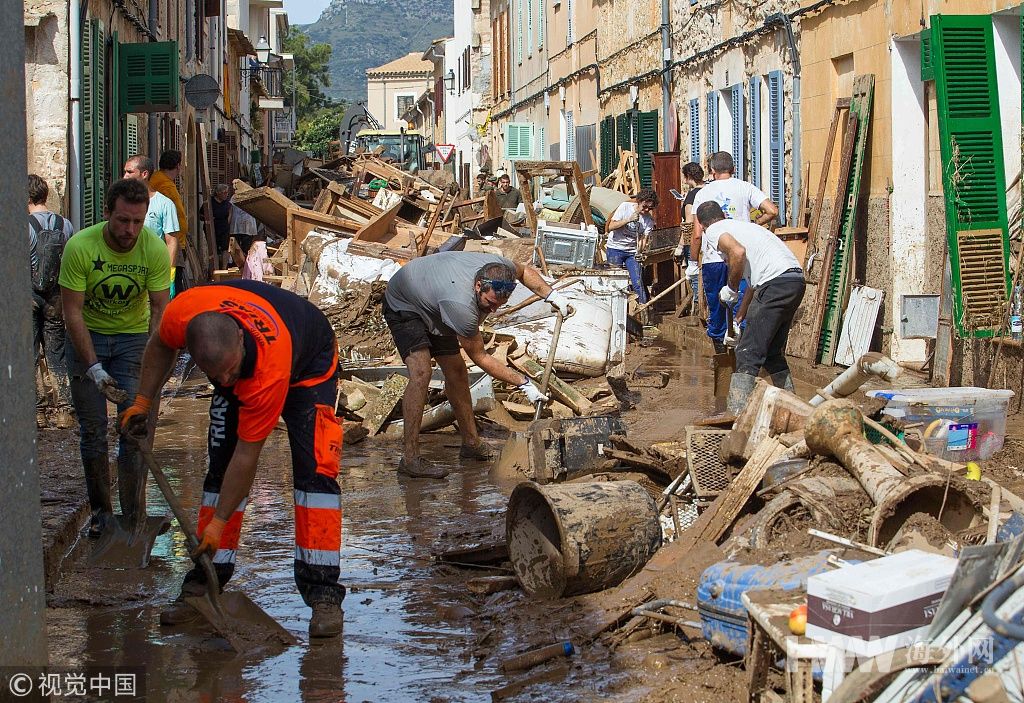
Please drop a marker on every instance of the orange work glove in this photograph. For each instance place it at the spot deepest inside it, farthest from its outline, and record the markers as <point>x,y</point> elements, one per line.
<point>133,420</point>
<point>209,538</point>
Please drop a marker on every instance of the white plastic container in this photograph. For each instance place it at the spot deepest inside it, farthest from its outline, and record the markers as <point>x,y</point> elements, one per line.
<point>958,424</point>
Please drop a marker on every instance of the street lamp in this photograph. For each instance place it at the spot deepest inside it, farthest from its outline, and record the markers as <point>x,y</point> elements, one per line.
<point>449,81</point>
<point>263,49</point>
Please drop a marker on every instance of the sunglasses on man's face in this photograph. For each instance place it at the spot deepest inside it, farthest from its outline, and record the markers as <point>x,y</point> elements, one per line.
<point>502,289</point>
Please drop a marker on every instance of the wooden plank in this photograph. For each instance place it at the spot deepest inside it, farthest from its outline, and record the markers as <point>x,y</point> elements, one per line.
<point>581,189</point>
<point>826,165</point>
<point>562,391</point>
<point>390,396</point>
<point>526,191</point>
<point>431,224</point>
<point>265,204</point>
<point>301,222</point>
<point>380,228</point>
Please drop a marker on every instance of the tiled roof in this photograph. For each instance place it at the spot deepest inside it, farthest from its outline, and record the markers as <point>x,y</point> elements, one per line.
<point>410,63</point>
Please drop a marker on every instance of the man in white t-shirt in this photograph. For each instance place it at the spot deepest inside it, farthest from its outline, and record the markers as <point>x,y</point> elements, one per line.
<point>777,283</point>
<point>631,220</point>
<point>736,198</point>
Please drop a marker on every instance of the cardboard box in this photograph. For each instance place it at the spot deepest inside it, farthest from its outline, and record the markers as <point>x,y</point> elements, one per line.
<point>880,605</point>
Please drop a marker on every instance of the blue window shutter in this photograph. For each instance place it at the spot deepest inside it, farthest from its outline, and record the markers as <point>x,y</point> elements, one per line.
<point>712,122</point>
<point>738,129</point>
<point>776,143</point>
<point>755,131</point>
<point>695,130</point>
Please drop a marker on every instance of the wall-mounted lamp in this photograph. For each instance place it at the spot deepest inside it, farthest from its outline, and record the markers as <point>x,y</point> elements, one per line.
<point>263,49</point>
<point>634,94</point>
<point>449,81</point>
<point>547,101</point>
<point>561,93</point>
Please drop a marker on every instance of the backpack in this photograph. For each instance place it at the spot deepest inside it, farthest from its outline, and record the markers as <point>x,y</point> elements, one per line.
<point>50,248</point>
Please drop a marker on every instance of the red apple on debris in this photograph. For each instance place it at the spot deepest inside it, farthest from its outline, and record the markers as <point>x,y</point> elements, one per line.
<point>798,620</point>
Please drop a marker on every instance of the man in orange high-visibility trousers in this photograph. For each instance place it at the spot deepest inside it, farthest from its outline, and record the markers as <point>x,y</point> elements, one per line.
<point>269,354</point>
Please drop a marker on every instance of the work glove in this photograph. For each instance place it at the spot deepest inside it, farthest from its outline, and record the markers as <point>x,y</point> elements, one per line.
<point>533,393</point>
<point>678,252</point>
<point>558,301</point>
<point>209,538</point>
<point>106,383</point>
<point>132,421</point>
<point>728,296</point>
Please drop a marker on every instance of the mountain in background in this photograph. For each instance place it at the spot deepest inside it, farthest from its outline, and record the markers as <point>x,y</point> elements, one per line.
<point>364,34</point>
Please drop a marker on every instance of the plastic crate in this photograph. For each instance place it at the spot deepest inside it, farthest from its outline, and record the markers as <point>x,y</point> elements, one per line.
<point>957,424</point>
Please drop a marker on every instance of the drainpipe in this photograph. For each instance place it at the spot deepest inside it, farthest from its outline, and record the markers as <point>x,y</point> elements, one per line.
<point>154,138</point>
<point>433,121</point>
<point>666,74</point>
<point>74,180</point>
<point>794,60</point>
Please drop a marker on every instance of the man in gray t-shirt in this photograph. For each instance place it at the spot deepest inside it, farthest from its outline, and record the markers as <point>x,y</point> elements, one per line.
<point>434,305</point>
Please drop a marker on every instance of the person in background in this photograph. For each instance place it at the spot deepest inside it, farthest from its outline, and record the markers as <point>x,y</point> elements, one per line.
<point>693,176</point>
<point>777,287</point>
<point>48,233</point>
<point>220,207</point>
<point>736,198</point>
<point>163,182</point>
<point>162,215</point>
<point>631,220</point>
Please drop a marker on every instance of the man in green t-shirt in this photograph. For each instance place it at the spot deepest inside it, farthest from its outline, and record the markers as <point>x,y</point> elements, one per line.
<point>114,280</point>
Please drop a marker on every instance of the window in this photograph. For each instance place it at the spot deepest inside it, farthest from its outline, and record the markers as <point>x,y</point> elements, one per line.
<point>712,122</point>
<point>403,102</point>
<point>756,141</point>
<point>695,130</point>
<point>569,34</point>
<point>776,144</point>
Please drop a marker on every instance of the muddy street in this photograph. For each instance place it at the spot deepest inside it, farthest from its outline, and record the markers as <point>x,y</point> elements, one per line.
<point>412,630</point>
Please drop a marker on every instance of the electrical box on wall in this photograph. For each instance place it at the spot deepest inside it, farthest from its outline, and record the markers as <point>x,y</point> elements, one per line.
<point>474,41</point>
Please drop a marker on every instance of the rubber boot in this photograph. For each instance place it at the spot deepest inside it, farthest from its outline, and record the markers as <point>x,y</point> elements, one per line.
<point>327,621</point>
<point>783,380</point>
<point>179,612</point>
<point>131,489</point>
<point>97,485</point>
<point>741,385</point>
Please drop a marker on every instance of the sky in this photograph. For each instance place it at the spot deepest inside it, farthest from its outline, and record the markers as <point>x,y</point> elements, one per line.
<point>304,11</point>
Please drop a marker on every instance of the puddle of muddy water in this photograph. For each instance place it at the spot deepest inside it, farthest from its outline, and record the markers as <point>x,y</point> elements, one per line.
<point>409,635</point>
<point>404,638</point>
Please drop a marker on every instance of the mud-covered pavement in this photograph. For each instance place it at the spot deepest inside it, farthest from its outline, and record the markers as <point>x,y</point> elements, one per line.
<point>413,632</point>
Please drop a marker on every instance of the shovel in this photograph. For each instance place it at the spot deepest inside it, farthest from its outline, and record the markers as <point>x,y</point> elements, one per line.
<point>233,615</point>
<point>515,458</point>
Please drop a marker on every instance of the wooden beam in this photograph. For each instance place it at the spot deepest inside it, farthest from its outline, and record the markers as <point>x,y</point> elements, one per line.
<point>381,228</point>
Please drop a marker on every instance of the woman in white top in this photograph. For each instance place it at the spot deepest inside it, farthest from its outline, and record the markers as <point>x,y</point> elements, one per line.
<point>631,220</point>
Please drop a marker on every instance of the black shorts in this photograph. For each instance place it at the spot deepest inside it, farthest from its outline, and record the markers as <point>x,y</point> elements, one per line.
<point>410,333</point>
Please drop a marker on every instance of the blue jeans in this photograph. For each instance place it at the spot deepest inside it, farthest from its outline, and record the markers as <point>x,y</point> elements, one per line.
<point>627,259</point>
<point>716,276</point>
<point>121,356</point>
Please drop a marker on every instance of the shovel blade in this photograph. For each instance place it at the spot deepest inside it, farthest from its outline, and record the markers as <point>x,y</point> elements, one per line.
<point>245,625</point>
<point>123,547</point>
<point>514,459</point>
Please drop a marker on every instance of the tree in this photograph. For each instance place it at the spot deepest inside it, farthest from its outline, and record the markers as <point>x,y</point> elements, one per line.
<point>310,74</point>
<point>316,133</point>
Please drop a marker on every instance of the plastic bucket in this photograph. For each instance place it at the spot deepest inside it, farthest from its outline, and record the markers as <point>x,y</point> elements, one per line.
<point>572,538</point>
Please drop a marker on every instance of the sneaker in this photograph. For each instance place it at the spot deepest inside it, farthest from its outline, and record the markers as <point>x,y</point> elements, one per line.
<point>178,613</point>
<point>327,621</point>
<point>480,452</point>
<point>418,468</point>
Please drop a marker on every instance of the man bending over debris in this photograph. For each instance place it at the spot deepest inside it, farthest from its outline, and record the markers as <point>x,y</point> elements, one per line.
<point>269,354</point>
<point>754,253</point>
<point>434,305</point>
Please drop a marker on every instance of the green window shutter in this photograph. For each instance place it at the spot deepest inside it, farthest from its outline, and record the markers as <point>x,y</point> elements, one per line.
<point>100,124</point>
<point>623,135</point>
<point>973,179</point>
<point>608,154</point>
<point>149,77</point>
<point>541,14</point>
<point>518,141</point>
<point>88,164</point>
<point>927,65</point>
<point>647,144</point>
<point>131,134</point>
